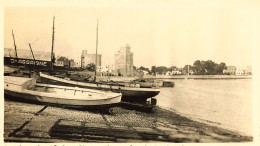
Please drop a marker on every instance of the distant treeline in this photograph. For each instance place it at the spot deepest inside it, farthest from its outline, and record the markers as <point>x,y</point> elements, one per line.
<point>198,68</point>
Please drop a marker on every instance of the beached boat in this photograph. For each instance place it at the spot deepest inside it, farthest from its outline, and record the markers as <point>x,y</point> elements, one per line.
<point>27,89</point>
<point>130,92</point>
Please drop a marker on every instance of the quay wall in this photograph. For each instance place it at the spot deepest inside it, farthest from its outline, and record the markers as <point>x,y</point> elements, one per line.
<point>198,77</point>
<point>126,79</point>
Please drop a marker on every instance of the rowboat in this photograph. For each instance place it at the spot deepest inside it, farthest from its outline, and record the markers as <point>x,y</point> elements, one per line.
<point>130,92</point>
<point>27,89</point>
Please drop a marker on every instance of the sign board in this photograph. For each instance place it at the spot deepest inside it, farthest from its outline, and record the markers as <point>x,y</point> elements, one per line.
<point>26,62</point>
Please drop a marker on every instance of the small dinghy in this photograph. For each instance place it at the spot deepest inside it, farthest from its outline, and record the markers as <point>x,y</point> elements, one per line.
<point>28,89</point>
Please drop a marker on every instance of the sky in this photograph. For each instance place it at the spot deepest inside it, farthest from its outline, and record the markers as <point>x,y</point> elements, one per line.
<point>160,36</point>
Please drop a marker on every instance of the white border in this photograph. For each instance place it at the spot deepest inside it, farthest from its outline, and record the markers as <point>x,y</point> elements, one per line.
<point>254,5</point>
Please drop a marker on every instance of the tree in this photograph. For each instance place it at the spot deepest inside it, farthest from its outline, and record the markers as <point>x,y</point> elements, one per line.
<point>220,67</point>
<point>153,70</point>
<point>144,69</point>
<point>161,70</point>
<point>197,67</point>
<point>208,67</point>
<point>91,67</point>
<point>186,68</point>
<point>172,68</point>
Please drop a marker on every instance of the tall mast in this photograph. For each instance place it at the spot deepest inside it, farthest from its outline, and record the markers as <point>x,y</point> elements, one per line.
<point>14,45</point>
<point>52,45</point>
<point>96,53</point>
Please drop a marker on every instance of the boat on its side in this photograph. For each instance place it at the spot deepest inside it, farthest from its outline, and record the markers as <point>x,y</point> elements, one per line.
<point>27,89</point>
<point>129,93</point>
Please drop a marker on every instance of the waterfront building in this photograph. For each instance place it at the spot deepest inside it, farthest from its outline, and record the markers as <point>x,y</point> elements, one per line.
<point>168,73</point>
<point>240,72</point>
<point>72,63</point>
<point>59,63</point>
<point>247,70</point>
<point>77,63</point>
<point>66,62</point>
<point>124,61</point>
<point>176,72</point>
<point>230,70</point>
<point>27,54</point>
<point>90,58</point>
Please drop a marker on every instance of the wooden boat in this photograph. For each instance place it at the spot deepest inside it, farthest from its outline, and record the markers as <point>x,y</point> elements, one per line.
<point>27,89</point>
<point>150,83</point>
<point>129,93</point>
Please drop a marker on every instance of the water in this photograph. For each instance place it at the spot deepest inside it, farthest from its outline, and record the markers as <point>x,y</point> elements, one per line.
<point>223,103</point>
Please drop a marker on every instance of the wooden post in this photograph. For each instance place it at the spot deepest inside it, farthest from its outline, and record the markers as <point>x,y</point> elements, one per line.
<point>52,45</point>
<point>96,53</point>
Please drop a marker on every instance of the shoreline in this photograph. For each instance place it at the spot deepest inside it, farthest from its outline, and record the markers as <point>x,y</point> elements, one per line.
<point>120,125</point>
<point>199,77</point>
<point>164,77</point>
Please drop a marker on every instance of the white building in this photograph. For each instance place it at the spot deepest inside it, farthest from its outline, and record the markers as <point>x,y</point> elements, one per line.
<point>247,70</point>
<point>168,73</point>
<point>176,72</point>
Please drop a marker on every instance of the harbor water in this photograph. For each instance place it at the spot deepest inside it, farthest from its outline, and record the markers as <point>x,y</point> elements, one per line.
<point>223,103</point>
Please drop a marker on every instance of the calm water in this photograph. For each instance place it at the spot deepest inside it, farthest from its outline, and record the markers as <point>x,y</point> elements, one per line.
<point>224,103</point>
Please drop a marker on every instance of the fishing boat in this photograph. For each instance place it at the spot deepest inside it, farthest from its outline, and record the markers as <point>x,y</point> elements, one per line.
<point>150,83</point>
<point>130,92</point>
<point>27,89</point>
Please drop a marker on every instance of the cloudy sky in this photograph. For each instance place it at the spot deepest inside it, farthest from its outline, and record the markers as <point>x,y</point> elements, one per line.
<point>157,35</point>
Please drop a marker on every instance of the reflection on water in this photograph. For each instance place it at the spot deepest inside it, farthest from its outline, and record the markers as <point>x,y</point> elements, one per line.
<point>226,103</point>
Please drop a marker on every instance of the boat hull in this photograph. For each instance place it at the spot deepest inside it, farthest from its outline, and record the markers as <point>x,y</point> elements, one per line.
<point>59,101</point>
<point>27,89</point>
<point>128,93</point>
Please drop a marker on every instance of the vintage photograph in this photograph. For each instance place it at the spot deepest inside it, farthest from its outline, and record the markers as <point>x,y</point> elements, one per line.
<point>148,74</point>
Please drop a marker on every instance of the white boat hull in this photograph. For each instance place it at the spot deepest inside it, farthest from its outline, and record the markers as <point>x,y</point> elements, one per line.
<point>61,95</point>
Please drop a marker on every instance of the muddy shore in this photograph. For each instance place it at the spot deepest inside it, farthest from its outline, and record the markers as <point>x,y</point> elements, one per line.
<point>27,122</point>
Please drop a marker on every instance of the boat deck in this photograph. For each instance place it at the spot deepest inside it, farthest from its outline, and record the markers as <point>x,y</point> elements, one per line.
<point>71,92</point>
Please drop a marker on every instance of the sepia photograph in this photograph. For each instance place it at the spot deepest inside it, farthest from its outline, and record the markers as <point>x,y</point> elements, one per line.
<point>129,72</point>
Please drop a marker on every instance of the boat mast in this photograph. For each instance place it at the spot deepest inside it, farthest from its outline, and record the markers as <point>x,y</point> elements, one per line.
<point>96,53</point>
<point>14,45</point>
<point>33,57</point>
<point>52,45</point>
